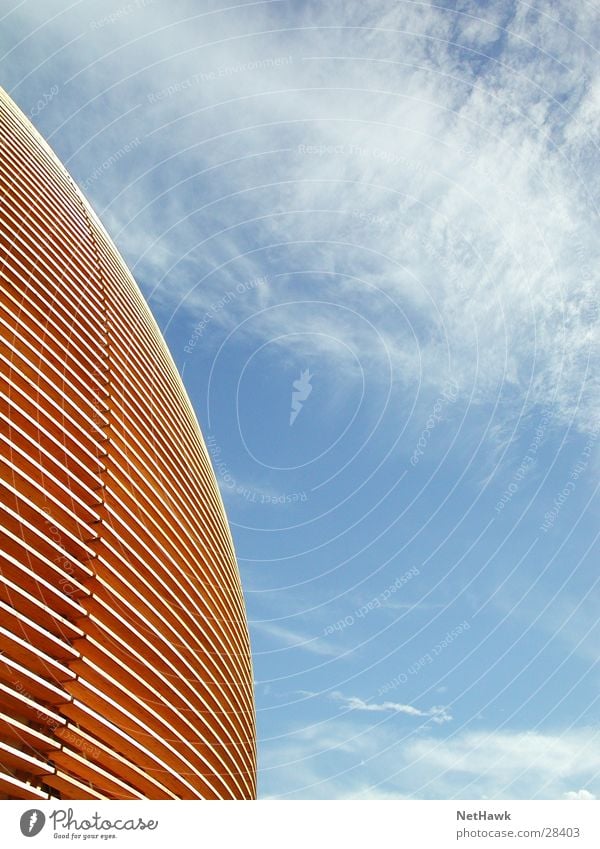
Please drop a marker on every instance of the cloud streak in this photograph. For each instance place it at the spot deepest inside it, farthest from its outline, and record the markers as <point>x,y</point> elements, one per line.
<point>437,714</point>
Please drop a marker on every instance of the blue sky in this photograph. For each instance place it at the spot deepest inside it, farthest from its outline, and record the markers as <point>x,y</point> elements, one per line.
<point>381,217</point>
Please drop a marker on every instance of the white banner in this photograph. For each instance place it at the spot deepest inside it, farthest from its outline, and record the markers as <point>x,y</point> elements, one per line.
<point>306,824</point>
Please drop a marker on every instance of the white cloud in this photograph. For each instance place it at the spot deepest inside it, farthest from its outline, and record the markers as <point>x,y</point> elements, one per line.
<point>461,183</point>
<point>438,714</point>
<point>579,794</point>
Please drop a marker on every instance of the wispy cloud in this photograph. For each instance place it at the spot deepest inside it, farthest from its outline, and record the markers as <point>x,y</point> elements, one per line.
<point>339,759</point>
<point>506,760</point>
<point>438,714</point>
<point>417,186</point>
<point>287,639</point>
<point>579,794</point>
<point>445,198</point>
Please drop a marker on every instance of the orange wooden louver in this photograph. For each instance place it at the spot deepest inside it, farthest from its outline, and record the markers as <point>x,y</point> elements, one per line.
<point>125,667</point>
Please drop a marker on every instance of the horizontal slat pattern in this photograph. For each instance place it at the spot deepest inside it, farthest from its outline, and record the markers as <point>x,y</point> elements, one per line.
<point>125,668</point>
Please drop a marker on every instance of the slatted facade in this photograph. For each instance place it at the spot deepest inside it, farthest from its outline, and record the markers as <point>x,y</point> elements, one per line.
<point>125,668</point>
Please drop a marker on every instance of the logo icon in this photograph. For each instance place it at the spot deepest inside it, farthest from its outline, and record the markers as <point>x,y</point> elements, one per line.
<point>32,822</point>
<point>302,389</point>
